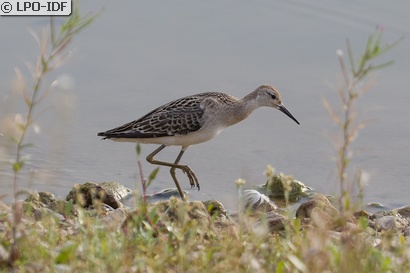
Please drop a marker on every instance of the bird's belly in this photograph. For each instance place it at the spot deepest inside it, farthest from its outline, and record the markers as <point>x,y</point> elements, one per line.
<point>196,137</point>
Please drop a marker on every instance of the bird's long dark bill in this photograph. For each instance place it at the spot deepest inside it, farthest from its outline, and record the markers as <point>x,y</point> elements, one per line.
<point>286,112</point>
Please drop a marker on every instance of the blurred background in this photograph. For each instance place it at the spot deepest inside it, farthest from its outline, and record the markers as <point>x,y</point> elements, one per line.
<point>138,55</point>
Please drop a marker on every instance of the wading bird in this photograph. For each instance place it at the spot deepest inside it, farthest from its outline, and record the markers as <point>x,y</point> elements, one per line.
<point>192,120</point>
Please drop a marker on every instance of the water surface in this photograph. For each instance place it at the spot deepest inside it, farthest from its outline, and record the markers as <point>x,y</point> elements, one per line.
<point>141,54</point>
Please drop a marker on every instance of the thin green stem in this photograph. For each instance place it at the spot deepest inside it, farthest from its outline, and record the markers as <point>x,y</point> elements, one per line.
<point>24,131</point>
<point>143,182</point>
<point>57,46</point>
<point>52,31</point>
<point>352,90</point>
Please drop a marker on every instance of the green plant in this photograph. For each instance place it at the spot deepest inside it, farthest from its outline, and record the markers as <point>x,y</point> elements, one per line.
<point>144,182</point>
<point>354,84</point>
<point>48,60</point>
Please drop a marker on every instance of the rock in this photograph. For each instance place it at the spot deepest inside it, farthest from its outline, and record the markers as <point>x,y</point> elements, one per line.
<point>392,220</point>
<point>406,231</point>
<point>276,221</point>
<point>44,198</point>
<point>350,228</point>
<point>215,209</point>
<point>271,222</point>
<point>177,210</point>
<point>118,191</point>
<point>40,213</point>
<point>380,214</point>
<point>226,226</point>
<point>323,219</point>
<point>30,207</point>
<point>375,205</point>
<point>100,209</point>
<point>38,200</point>
<point>91,193</point>
<point>63,207</point>
<point>361,213</point>
<point>164,194</point>
<point>114,219</point>
<point>169,214</point>
<point>391,223</point>
<point>377,242</point>
<point>318,200</point>
<point>274,187</point>
<point>404,211</point>
<point>33,202</point>
<point>221,222</point>
<point>319,212</point>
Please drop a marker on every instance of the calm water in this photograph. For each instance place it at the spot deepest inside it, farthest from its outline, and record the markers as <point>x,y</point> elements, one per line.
<point>141,54</point>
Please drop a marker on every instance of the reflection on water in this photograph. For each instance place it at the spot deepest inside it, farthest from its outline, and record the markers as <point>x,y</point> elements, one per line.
<point>138,56</point>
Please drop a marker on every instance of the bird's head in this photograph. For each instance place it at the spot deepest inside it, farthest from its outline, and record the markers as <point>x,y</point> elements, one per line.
<point>269,96</point>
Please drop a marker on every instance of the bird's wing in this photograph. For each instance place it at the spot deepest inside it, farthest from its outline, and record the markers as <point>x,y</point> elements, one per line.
<point>179,117</point>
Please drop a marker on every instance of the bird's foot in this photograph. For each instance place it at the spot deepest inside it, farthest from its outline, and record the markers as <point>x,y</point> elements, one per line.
<point>193,181</point>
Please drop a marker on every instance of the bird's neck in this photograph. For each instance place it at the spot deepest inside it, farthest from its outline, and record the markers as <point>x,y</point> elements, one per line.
<point>243,108</point>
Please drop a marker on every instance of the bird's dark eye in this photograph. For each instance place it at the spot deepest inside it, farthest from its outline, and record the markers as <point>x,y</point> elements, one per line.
<point>273,96</point>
